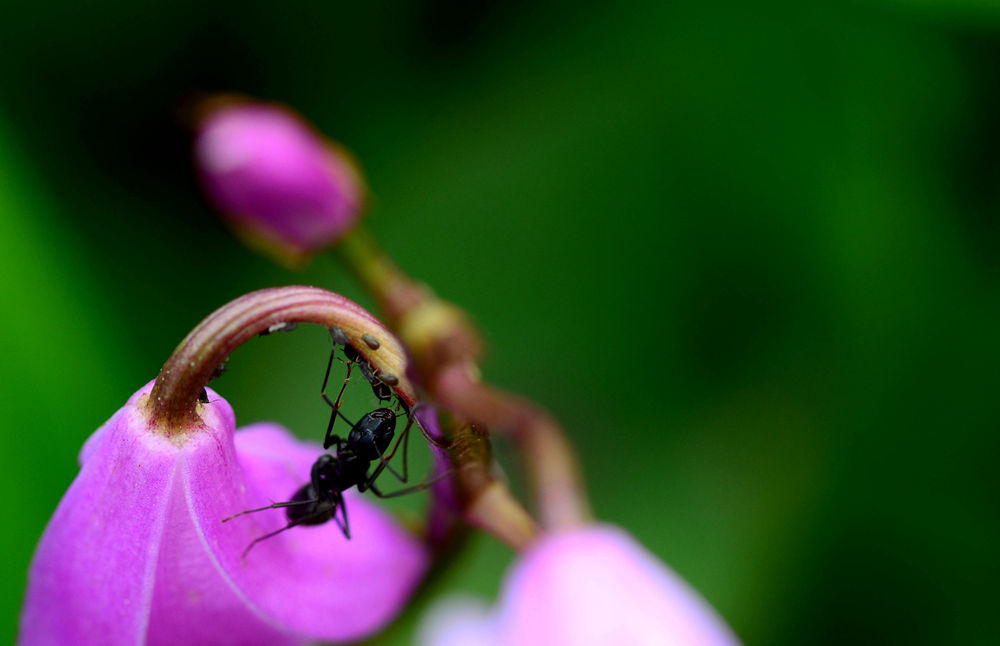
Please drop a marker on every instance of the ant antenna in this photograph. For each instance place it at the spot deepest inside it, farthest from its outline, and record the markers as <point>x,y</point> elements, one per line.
<point>276,505</point>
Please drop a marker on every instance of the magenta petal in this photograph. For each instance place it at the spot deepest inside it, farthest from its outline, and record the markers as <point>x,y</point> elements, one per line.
<point>310,579</point>
<point>193,602</point>
<point>92,575</point>
<point>118,545</point>
<point>120,562</point>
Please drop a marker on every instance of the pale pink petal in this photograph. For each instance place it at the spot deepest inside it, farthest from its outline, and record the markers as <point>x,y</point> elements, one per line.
<point>457,622</point>
<point>587,587</point>
<point>600,586</point>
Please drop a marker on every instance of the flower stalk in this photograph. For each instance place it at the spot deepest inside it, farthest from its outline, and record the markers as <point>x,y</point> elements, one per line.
<point>446,349</point>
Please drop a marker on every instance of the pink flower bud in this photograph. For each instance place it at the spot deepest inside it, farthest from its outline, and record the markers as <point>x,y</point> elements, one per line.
<point>279,183</point>
<point>137,552</point>
<point>590,586</point>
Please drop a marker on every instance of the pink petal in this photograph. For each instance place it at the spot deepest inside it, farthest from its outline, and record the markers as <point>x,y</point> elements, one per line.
<point>116,546</point>
<point>194,602</point>
<point>133,553</point>
<point>599,585</point>
<point>91,579</point>
<point>458,622</point>
<point>591,586</point>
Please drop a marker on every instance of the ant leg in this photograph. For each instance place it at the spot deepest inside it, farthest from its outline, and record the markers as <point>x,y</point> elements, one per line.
<point>331,439</point>
<point>277,505</point>
<point>344,526</point>
<point>326,377</point>
<point>417,487</point>
<point>423,431</point>
<point>404,437</point>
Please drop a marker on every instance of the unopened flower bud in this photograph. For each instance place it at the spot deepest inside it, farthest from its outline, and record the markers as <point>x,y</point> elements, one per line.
<point>280,184</point>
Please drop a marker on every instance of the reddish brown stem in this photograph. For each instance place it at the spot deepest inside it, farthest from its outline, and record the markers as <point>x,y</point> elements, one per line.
<point>173,400</point>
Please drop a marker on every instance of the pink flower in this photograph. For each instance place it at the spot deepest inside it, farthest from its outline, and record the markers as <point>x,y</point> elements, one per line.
<point>593,585</point>
<point>276,180</point>
<point>137,552</point>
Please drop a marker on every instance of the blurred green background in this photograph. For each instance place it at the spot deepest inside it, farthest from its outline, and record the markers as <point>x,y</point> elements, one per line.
<point>746,252</point>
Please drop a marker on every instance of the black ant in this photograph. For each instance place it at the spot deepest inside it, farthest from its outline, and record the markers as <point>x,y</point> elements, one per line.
<point>317,501</point>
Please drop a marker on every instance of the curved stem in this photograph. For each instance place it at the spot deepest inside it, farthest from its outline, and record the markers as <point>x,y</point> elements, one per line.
<point>173,400</point>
